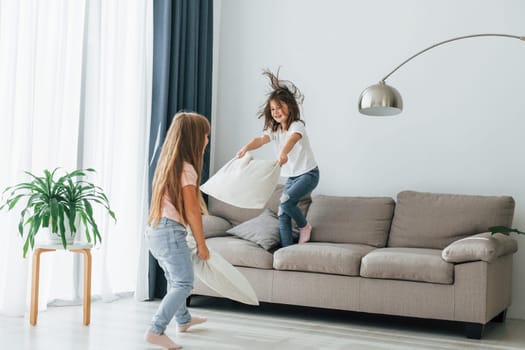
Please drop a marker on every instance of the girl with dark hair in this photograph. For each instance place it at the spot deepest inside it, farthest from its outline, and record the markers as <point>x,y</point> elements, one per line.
<point>283,126</point>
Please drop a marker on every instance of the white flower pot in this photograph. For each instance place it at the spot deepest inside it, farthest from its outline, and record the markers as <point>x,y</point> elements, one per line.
<point>54,238</point>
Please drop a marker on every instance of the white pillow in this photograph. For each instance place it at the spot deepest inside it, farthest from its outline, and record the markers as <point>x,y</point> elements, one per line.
<point>244,182</point>
<point>221,276</point>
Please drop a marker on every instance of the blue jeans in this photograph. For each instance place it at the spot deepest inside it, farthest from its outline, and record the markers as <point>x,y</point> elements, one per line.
<point>294,189</point>
<point>167,243</point>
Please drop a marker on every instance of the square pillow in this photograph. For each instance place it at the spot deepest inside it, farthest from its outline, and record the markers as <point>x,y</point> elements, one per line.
<point>244,182</point>
<point>262,229</point>
<point>215,226</point>
<point>484,246</point>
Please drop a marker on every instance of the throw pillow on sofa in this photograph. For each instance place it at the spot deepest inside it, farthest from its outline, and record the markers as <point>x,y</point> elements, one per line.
<point>262,230</point>
<point>483,246</point>
<point>215,226</point>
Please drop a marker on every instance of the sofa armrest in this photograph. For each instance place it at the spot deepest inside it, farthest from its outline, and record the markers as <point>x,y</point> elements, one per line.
<point>483,246</point>
<point>215,226</point>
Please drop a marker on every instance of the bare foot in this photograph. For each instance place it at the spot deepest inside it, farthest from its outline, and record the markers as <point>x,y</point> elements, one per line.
<point>194,320</point>
<point>161,340</point>
<point>304,233</point>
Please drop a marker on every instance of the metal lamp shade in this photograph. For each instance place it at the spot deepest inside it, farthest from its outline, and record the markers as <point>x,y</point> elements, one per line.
<point>383,100</point>
<point>380,100</point>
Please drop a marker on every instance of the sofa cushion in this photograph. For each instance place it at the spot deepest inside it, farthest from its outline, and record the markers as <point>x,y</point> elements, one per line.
<point>434,220</point>
<point>262,230</point>
<point>484,246</point>
<point>215,226</point>
<point>240,252</point>
<point>332,258</point>
<point>411,264</point>
<point>359,220</point>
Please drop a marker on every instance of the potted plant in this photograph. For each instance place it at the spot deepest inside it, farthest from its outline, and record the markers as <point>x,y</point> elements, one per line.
<point>60,204</point>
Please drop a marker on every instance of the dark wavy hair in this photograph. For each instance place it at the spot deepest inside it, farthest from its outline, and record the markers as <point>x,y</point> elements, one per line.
<point>283,91</point>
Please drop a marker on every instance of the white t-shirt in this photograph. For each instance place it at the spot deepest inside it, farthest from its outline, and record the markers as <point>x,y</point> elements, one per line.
<point>300,158</point>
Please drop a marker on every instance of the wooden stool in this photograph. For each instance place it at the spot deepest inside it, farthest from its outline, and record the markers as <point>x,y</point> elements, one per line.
<point>83,248</point>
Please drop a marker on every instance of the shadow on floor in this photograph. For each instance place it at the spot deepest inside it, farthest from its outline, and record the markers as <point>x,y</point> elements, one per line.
<point>347,318</point>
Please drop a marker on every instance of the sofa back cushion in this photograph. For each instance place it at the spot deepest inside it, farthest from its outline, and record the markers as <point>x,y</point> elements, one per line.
<point>359,220</point>
<point>237,215</point>
<point>434,220</point>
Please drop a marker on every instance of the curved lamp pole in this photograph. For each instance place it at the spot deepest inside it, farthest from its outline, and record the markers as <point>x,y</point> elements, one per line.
<point>382,99</point>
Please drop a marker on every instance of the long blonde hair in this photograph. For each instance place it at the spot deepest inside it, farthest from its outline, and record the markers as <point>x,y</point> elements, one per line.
<point>184,142</point>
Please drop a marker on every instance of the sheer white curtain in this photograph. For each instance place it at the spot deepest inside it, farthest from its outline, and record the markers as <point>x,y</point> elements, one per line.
<point>75,92</point>
<point>116,120</point>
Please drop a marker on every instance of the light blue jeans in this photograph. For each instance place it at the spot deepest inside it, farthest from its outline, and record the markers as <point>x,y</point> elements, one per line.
<point>167,243</point>
<point>294,189</point>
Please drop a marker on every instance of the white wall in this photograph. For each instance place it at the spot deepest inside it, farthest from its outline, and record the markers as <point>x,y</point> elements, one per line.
<point>461,130</point>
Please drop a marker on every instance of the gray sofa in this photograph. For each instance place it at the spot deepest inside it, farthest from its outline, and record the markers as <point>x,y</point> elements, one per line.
<point>424,255</point>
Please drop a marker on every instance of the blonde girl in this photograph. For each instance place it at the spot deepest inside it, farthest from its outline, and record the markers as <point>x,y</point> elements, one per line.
<point>176,203</point>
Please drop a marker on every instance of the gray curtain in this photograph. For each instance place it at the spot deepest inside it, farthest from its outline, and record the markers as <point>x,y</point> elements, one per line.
<point>182,80</point>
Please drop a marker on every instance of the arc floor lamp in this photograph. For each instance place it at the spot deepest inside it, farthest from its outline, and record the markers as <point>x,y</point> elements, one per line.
<point>382,99</point>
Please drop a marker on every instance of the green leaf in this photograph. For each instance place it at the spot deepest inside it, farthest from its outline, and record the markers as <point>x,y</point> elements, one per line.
<point>89,208</point>
<point>45,218</point>
<point>97,234</point>
<point>26,247</point>
<point>84,221</point>
<point>15,200</point>
<point>112,214</point>
<point>39,180</point>
<point>505,230</point>
<point>89,217</point>
<point>21,227</point>
<point>61,224</point>
<point>7,189</point>
<point>33,230</point>
<point>53,207</point>
<point>21,222</point>
<point>32,241</point>
<point>71,220</point>
<point>76,173</point>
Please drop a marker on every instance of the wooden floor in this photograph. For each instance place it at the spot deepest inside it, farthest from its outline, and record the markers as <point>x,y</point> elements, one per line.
<point>121,325</point>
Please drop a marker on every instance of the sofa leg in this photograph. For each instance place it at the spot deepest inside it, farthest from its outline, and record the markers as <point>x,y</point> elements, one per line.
<point>188,301</point>
<point>474,330</point>
<point>501,317</point>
